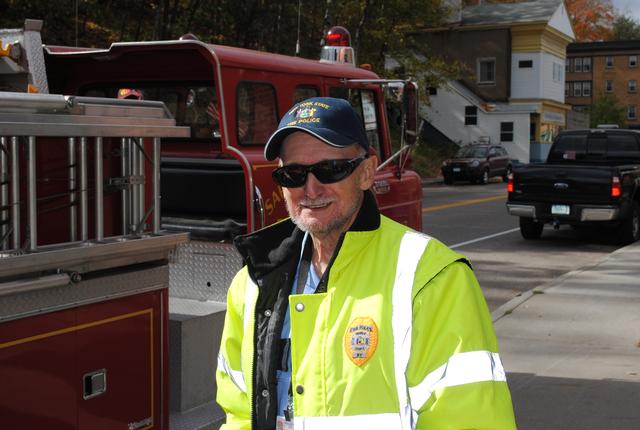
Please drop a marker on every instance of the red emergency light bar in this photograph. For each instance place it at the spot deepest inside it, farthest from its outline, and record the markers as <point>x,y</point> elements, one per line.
<point>338,36</point>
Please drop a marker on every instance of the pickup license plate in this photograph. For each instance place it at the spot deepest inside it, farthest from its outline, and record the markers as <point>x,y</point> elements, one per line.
<point>456,169</point>
<point>560,209</point>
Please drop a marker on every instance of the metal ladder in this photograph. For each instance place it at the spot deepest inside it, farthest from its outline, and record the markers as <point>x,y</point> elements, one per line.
<point>26,119</point>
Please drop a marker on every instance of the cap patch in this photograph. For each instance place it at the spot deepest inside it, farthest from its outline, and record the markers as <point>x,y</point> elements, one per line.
<point>306,113</point>
<point>332,120</point>
<point>361,340</point>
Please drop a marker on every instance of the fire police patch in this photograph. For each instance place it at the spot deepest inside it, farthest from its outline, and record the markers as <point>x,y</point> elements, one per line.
<point>305,113</point>
<point>361,340</point>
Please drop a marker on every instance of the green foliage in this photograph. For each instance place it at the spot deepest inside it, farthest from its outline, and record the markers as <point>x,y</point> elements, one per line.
<point>625,28</point>
<point>378,27</point>
<point>427,158</point>
<point>606,110</point>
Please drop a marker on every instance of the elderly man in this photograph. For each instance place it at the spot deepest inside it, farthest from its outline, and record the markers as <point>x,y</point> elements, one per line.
<point>345,319</point>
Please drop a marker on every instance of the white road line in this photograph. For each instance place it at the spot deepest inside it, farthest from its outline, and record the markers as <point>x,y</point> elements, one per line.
<point>491,236</point>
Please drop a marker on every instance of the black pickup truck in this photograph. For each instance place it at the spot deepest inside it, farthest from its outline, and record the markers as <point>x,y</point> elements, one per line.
<point>591,177</point>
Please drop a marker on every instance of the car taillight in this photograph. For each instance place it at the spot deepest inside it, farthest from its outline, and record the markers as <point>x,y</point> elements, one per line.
<point>615,187</point>
<point>510,183</point>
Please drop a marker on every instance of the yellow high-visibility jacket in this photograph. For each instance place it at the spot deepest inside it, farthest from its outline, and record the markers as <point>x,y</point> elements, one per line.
<point>401,339</point>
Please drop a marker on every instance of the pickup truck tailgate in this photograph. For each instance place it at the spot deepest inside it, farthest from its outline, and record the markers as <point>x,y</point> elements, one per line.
<point>561,183</point>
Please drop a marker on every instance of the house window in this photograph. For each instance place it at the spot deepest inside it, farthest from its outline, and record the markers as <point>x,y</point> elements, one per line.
<point>608,62</point>
<point>586,89</point>
<point>577,64</point>
<point>486,70</point>
<point>633,60</point>
<point>525,64</point>
<point>577,89</point>
<point>506,132</point>
<point>567,89</point>
<point>632,86</point>
<point>586,64</point>
<point>557,72</point>
<point>470,115</point>
<point>608,86</point>
<point>567,65</point>
<point>631,112</point>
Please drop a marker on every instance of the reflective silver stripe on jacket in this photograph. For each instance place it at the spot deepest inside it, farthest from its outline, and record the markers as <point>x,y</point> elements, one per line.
<point>461,368</point>
<point>411,249</point>
<point>350,422</point>
<point>236,375</point>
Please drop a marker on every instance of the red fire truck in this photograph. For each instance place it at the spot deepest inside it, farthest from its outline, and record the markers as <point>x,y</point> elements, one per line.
<point>100,361</point>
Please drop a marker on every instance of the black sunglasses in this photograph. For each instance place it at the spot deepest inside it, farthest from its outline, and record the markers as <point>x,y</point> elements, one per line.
<point>327,172</point>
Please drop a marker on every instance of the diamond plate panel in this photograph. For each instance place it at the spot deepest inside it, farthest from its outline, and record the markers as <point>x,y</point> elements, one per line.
<point>86,291</point>
<point>203,270</point>
<point>35,57</point>
<point>205,417</point>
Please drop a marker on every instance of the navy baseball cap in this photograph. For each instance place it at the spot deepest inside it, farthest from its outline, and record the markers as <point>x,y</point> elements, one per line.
<point>331,120</point>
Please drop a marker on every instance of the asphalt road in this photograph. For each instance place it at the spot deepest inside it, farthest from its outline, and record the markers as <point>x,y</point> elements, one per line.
<point>473,220</point>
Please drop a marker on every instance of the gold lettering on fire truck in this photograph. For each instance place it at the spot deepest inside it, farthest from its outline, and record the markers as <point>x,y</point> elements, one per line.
<point>271,203</point>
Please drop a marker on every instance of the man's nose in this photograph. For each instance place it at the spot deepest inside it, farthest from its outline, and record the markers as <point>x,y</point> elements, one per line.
<point>312,188</point>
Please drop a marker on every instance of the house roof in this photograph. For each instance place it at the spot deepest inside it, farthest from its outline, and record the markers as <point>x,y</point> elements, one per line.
<point>603,47</point>
<point>510,13</point>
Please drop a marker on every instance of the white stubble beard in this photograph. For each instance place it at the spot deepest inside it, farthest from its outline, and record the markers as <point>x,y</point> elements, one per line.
<point>333,226</point>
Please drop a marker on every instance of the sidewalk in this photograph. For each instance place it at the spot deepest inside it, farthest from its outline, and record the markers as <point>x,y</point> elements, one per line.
<point>571,348</point>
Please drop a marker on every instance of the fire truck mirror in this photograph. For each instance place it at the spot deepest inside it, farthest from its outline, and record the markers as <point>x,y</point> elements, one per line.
<point>410,112</point>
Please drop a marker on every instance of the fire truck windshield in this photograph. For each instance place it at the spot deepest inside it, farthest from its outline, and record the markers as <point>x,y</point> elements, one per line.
<point>192,105</point>
<point>363,102</point>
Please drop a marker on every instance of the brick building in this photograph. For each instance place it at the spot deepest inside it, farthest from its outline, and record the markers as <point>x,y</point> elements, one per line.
<point>596,69</point>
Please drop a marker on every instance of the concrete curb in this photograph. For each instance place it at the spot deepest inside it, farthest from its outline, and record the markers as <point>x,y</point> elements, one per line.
<point>511,305</point>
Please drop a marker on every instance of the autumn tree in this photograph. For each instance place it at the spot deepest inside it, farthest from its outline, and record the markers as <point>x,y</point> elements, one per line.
<point>625,28</point>
<point>592,19</point>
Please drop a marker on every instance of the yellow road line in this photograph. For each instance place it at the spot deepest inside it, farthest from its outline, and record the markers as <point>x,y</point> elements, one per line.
<point>463,203</point>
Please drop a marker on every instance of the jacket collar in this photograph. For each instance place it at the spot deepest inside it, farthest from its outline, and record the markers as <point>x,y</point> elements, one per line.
<point>268,248</point>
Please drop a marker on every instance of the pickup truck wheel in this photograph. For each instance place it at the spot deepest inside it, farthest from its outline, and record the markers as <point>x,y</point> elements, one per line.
<point>530,229</point>
<point>448,180</point>
<point>629,230</point>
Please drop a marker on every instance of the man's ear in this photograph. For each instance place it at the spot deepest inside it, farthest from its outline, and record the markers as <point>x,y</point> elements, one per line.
<point>368,173</point>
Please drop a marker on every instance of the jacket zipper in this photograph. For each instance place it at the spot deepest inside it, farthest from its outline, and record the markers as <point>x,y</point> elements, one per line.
<point>254,419</point>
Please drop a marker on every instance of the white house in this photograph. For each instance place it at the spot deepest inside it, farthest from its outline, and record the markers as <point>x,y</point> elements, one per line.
<point>513,93</point>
